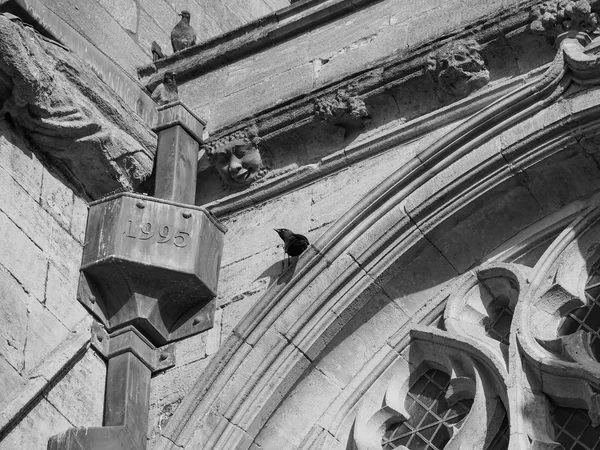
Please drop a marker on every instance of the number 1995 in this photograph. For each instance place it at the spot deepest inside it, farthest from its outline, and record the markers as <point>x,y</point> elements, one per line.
<point>161,234</point>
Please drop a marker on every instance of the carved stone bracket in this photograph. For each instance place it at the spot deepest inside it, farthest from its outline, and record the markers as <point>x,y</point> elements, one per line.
<point>70,115</point>
<point>343,109</point>
<point>457,69</point>
<point>237,158</point>
<point>129,339</point>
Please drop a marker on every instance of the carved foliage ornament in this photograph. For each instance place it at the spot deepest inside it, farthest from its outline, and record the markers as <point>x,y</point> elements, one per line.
<point>343,109</point>
<point>514,365</point>
<point>458,68</point>
<point>559,16</point>
<point>237,158</point>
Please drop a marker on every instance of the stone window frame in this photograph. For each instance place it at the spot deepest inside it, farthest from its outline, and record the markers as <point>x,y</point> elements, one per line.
<point>538,371</point>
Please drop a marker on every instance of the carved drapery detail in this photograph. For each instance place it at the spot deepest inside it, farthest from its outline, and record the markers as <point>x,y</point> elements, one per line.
<point>457,69</point>
<point>237,158</point>
<point>69,114</point>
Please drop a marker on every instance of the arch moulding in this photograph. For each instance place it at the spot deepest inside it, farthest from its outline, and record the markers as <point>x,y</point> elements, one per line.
<point>530,158</point>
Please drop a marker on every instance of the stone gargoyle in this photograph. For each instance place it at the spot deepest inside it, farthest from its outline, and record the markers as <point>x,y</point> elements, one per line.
<point>69,114</point>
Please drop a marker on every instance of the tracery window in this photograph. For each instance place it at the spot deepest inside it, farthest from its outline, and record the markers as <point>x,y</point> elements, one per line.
<point>513,364</point>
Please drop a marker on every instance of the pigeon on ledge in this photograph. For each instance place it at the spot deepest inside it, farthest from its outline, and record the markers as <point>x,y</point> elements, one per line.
<point>166,92</point>
<point>183,35</point>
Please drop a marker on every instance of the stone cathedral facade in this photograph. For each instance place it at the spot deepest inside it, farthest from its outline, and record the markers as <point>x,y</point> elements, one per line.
<point>442,158</point>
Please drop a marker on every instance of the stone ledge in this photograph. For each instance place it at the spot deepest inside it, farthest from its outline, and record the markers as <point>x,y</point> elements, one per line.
<point>361,149</point>
<point>251,38</point>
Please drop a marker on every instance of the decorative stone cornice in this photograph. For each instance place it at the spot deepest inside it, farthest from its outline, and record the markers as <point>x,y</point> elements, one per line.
<point>70,115</point>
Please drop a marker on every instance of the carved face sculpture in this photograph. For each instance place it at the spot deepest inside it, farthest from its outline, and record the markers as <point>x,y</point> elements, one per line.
<point>238,163</point>
<point>459,69</point>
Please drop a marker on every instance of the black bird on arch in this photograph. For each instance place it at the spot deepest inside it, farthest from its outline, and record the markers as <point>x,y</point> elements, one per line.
<point>293,244</point>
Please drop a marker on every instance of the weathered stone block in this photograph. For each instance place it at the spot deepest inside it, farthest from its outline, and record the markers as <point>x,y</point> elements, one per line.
<point>289,425</point>
<point>45,419</point>
<point>250,277</point>
<point>79,219</point>
<point>30,271</point>
<point>40,227</point>
<point>79,396</point>
<point>61,297</point>
<point>18,162</point>
<point>101,28</point>
<point>124,12</point>
<point>232,314</point>
<point>44,334</point>
<point>11,381</point>
<point>277,4</point>
<point>488,154</point>
<point>247,11</point>
<point>167,392</point>
<point>152,29</point>
<point>416,277</point>
<point>191,349</point>
<point>14,319</point>
<point>57,199</point>
<point>361,338</point>
<point>477,228</point>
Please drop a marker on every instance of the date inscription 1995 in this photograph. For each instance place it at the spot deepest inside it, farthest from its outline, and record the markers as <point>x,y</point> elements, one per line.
<point>162,234</point>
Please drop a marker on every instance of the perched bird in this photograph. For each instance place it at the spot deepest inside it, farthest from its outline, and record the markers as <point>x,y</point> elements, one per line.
<point>166,92</point>
<point>183,35</point>
<point>293,244</point>
<point>157,52</point>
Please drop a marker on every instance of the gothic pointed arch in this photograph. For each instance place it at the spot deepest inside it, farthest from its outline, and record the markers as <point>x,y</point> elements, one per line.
<point>387,274</point>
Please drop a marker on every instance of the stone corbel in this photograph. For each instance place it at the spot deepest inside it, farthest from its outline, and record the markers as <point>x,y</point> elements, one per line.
<point>69,114</point>
<point>237,158</point>
<point>457,69</point>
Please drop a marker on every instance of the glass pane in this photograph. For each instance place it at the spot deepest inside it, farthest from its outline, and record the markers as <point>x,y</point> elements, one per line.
<point>431,417</point>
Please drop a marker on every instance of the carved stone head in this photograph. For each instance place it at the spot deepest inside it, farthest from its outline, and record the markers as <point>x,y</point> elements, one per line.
<point>458,68</point>
<point>238,161</point>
